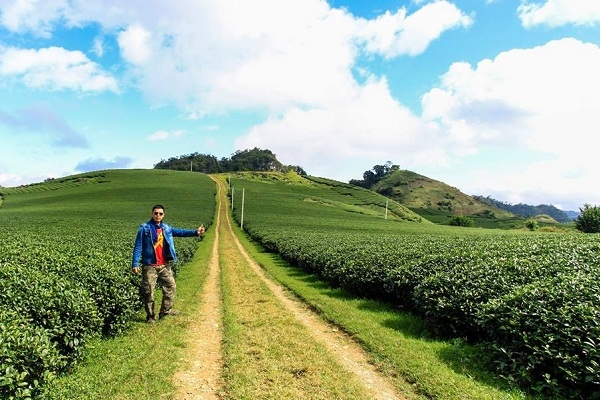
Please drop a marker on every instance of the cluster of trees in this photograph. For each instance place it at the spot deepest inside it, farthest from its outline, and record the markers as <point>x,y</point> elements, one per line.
<point>461,220</point>
<point>589,219</point>
<point>246,160</point>
<point>374,175</point>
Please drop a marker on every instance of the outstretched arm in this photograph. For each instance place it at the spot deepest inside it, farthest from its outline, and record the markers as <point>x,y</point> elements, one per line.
<point>137,251</point>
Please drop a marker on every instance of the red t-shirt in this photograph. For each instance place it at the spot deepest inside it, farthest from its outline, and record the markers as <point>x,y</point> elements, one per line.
<point>158,247</point>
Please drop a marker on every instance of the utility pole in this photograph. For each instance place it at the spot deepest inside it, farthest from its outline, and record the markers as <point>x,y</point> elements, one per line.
<point>242,219</point>
<point>386,207</point>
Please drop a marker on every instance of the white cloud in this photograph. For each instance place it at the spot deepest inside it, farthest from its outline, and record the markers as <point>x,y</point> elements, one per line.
<point>14,180</point>
<point>35,16</point>
<point>98,46</point>
<point>55,68</point>
<point>370,124</point>
<point>134,44</point>
<point>542,100</point>
<point>217,56</point>
<point>559,12</point>
<point>523,97</point>
<point>221,55</point>
<point>395,34</point>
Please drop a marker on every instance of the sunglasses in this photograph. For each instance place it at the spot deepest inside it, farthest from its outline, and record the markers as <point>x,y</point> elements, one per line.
<point>158,213</point>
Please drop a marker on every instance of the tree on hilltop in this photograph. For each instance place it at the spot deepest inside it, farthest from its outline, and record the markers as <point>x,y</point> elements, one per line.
<point>377,173</point>
<point>242,160</point>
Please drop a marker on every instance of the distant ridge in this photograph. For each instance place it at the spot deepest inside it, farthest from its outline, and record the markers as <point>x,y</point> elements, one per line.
<point>526,210</point>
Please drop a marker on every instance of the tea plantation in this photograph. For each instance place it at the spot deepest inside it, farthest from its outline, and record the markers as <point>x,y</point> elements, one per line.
<point>532,300</point>
<point>65,264</point>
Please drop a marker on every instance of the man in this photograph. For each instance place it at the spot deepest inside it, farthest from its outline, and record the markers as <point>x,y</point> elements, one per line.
<point>154,246</point>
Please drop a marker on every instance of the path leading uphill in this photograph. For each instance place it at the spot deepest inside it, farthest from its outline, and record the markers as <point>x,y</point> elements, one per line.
<point>202,376</point>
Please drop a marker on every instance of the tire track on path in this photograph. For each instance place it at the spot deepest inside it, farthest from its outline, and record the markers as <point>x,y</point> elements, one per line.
<point>349,353</point>
<point>202,381</point>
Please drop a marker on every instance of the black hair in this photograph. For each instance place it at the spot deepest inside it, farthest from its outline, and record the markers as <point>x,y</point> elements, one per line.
<point>154,207</point>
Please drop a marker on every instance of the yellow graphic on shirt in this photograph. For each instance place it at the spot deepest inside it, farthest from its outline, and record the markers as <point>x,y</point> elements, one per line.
<point>159,240</point>
<point>158,247</point>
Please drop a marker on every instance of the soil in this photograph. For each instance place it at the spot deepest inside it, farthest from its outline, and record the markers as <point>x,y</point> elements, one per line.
<point>202,377</point>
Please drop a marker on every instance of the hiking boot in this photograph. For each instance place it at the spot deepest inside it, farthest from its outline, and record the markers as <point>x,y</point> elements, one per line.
<point>171,312</point>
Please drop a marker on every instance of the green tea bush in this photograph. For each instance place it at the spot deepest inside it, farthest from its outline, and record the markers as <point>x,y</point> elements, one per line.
<point>60,307</point>
<point>453,278</point>
<point>546,335</point>
<point>86,263</point>
<point>460,220</point>
<point>28,359</point>
<point>109,283</point>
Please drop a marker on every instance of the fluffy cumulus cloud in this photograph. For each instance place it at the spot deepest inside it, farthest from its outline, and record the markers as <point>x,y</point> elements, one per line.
<point>55,68</point>
<point>542,99</point>
<point>35,16</point>
<point>370,123</point>
<point>395,34</point>
<point>134,42</point>
<point>210,57</point>
<point>559,12</point>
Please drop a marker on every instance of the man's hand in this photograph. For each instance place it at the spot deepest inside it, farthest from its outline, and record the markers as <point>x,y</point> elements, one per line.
<point>200,230</point>
<point>134,270</point>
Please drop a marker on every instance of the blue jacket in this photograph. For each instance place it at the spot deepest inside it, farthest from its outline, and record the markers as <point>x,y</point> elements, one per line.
<point>147,236</point>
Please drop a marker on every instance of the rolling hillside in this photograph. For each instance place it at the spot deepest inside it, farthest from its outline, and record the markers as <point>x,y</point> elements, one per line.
<point>438,201</point>
<point>412,197</point>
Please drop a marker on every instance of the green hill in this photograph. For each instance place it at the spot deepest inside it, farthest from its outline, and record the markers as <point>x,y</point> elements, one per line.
<point>109,194</point>
<point>440,202</point>
<point>398,194</point>
<point>333,194</point>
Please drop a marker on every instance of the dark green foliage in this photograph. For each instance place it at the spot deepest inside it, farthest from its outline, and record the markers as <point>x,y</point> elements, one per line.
<point>589,219</point>
<point>545,335</point>
<point>532,225</point>
<point>461,220</point>
<point>56,304</point>
<point>56,315</point>
<point>28,359</point>
<point>377,173</point>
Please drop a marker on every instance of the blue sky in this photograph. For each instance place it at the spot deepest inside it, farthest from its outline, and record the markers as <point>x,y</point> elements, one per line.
<point>494,97</point>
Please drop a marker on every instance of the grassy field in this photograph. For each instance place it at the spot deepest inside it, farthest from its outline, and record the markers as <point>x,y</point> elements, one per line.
<point>140,362</point>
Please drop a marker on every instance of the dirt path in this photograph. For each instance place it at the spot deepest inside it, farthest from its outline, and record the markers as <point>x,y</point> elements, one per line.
<point>202,380</point>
